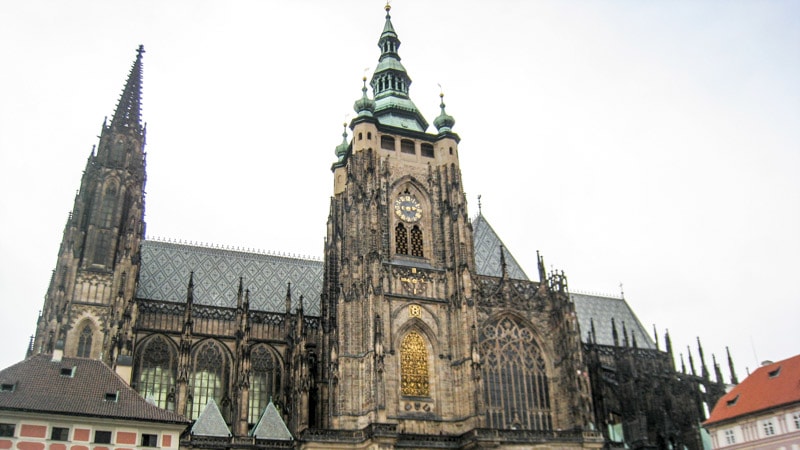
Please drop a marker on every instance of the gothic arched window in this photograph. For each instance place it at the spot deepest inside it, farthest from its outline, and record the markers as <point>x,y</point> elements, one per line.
<point>401,239</point>
<point>107,208</point>
<point>210,377</point>
<point>414,366</point>
<point>416,241</point>
<point>85,342</point>
<point>157,364</point>
<point>515,377</point>
<point>265,381</point>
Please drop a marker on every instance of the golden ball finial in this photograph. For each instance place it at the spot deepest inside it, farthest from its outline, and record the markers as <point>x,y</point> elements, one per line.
<point>388,7</point>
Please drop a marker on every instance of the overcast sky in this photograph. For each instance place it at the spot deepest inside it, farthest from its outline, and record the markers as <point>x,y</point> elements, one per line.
<point>654,144</point>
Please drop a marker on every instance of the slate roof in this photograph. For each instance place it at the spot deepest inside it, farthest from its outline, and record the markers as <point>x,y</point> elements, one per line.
<point>39,386</point>
<point>165,269</point>
<point>487,252</point>
<point>602,309</point>
<point>770,386</point>
<point>271,425</point>
<point>210,422</point>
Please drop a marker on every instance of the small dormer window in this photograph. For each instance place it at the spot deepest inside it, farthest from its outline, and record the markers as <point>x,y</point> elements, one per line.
<point>732,401</point>
<point>775,373</point>
<point>68,372</point>
<point>112,396</point>
<point>7,387</point>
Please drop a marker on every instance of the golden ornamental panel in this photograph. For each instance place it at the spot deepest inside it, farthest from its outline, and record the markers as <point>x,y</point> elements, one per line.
<point>414,366</point>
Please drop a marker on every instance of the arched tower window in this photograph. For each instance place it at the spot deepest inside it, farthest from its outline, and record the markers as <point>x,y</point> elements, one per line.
<point>401,239</point>
<point>85,342</point>
<point>156,367</point>
<point>414,366</point>
<point>265,381</point>
<point>416,241</point>
<point>107,208</point>
<point>515,377</point>
<point>210,377</point>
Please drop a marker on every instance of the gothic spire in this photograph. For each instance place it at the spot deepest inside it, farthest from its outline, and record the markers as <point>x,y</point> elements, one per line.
<point>734,380</point>
<point>128,112</point>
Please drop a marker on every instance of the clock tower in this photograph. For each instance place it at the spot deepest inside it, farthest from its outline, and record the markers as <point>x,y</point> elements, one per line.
<point>400,347</point>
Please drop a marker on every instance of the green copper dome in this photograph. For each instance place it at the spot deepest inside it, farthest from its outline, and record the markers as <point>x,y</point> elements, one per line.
<point>365,105</point>
<point>390,84</point>
<point>444,122</point>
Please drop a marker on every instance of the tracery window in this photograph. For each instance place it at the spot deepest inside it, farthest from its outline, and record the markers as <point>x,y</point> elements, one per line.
<point>210,377</point>
<point>516,385</point>
<point>157,370</point>
<point>414,366</point>
<point>416,241</point>
<point>85,342</point>
<point>107,209</point>
<point>265,381</point>
<point>401,239</point>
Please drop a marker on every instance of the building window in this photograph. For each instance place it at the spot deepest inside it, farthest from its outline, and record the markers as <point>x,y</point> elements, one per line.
<point>149,440</point>
<point>107,209</point>
<point>7,429</point>
<point>59,434</point>
<point>401,239</point>
<point>157,369</point>
<point>769,429</point>
<point>426,150</point>
<point>102,437</point>
<point>85,342</point>
<point>730,437</point>
<point>7,387</point>
<point>416,241</point>
<point>516,386</point>
<point>360,136</point>
<point>796,418</point>
<point>387,143</point>
<point>265,380</point>
<point>210,370</point>
<point>407,146</point>
<point>414,366</point>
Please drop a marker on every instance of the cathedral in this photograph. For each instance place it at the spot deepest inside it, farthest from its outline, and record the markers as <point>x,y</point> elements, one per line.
<point>417,329</point>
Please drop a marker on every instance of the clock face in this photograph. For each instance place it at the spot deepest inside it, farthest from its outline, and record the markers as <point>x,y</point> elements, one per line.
<point>407,208</point>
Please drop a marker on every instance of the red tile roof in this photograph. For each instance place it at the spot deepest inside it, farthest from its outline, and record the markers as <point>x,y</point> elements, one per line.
<point>769,386</point>
<point>37,385</point>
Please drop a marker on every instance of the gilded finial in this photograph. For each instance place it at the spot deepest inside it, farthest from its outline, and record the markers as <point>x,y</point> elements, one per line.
<point>388,7</point>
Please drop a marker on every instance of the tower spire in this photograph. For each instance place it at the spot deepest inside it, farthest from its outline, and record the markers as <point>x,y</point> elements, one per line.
<point>390,84</point>
<point>734,380</point>
<point>128,112</point>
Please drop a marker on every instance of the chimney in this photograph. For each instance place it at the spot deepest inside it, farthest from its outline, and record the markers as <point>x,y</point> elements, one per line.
<point>124,367</point>
<point>58,351</point>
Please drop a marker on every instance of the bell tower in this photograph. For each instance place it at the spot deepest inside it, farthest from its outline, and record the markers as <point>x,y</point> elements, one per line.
<point>400,344</point>
<point>88,304</point>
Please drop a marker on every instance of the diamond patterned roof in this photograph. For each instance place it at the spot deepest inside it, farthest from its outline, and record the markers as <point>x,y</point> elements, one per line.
<point>210,422</point>
<point>487,252</point>
<point>271,425</point>
<point>165,269</point>
<point>601,310</point>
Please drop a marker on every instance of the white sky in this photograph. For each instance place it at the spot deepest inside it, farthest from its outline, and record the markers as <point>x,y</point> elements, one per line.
<point>654,143</point>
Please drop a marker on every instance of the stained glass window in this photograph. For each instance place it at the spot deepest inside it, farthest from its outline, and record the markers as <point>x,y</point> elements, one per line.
<point>85,342</point>
<point>515,377</point>
<point>157,369</point>
<point>414,366</point>
<point>264,381</point>
<point>210,377</point>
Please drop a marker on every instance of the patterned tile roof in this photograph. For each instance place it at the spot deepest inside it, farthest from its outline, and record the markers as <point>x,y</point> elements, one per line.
<point>770,386</point>
<point>487,252</point>
<point>165,269</point>
<point>37,384</point>
<point>271,425</point>
<point>601,310</point>
<point>210,422</point>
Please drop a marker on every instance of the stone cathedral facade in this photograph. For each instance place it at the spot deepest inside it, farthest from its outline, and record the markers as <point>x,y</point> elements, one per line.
<point>418,329</point>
